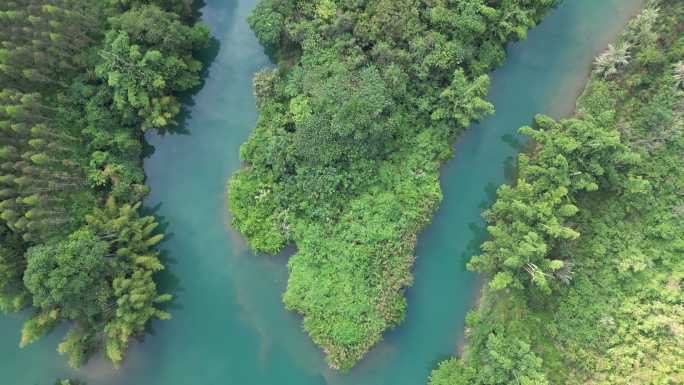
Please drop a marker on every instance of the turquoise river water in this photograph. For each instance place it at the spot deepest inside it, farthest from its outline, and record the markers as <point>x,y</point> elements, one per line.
<point>229,324</point>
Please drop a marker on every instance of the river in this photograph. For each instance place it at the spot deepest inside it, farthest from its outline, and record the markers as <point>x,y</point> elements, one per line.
<point>229,325</point>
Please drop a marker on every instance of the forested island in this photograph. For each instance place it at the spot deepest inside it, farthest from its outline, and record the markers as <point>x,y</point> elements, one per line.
<point>354,124</point>
<point>81,80</point>
<point>585,255</point>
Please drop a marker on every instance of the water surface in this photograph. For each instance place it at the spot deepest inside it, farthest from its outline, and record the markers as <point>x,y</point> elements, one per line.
<point>229,324</point>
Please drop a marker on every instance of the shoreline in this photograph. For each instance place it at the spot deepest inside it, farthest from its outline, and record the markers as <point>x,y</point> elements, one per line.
<point>566,109</point>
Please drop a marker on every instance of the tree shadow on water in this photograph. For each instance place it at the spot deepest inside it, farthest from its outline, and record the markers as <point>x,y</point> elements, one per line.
<point>514,141</point>
<point>478,235</point>
<point>206,56</point>
<point>490,196</point>
<point>196,9</point>
<point>510,169</point>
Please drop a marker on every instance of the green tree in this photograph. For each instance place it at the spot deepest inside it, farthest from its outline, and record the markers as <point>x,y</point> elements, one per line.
<point>69,275</point>
<point>612,60</point>
<point>341,114</point>
<point>511,361</point>
<point>147,58</point>
<point>530,220</point>
<point>267,23</point>
<point>13,294</point>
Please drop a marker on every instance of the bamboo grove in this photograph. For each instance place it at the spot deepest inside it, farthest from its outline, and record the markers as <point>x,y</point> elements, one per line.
<point>80,81</point>
<point>585,250</point>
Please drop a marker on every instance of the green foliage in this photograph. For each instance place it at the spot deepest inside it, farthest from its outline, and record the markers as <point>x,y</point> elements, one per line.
<point>267,24</point>
<point>613,60</point>
<point>80,81</point>
<point>510,360</point>
<point>530,220</point>
<point>340,114</point>
<point>617,319</point>
<point>181,7</point>
<point>266,228</point>
<point>39,324</point>
<point>78,344</point>
<point>353,127</point>
<point>69,275</point>
<point>13,294</point>
<point>450,372</point>
<point>148,58</point>
<point>462,100</point>
<point>137,300</point>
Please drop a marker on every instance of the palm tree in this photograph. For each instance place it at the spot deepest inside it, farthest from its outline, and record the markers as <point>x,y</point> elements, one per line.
<point>612,60</point>
<point>679,74</point>
<point>640,29</point>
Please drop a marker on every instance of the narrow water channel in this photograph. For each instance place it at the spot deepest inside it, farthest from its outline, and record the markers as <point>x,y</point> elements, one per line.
<point>229,324</point>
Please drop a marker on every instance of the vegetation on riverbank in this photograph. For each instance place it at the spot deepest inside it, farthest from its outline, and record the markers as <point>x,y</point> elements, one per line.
<point>585,255</point>
<point>80,80</point>
<point>354,124</point>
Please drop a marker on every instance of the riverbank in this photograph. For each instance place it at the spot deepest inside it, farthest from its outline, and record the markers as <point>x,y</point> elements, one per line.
<point>564,105</point>
<point>564,337</point>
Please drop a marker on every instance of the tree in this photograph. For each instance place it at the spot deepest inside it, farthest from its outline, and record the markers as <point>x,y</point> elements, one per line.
<point>38,168</point>
<point>641,29</point>
<point>148,57</point>
<point>69,275</point>
<point>267,23</point>
<point>180,7</point>
<point>13,294</point>
<point>530,220</point>
<point>451,372</point>
<point>137,301</point>
<point>341,114</point>
<point>511,361</point>
<point>78,344</point>
<point>612,60</point>
<point>39,324</point>
<point>463,100</point>
<point>134,290</point>
<point>679,74</point>
<point>42,42</point>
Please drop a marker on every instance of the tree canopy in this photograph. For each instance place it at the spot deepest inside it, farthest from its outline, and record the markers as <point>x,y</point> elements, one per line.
<point>69,275</point>
<point>80,80</point>
<point>353,126</point>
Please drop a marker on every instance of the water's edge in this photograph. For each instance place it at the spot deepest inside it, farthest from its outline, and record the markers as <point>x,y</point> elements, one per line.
<point>564,109</point>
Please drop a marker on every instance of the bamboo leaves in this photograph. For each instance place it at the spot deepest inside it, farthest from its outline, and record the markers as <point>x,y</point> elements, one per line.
<point>530,219</point>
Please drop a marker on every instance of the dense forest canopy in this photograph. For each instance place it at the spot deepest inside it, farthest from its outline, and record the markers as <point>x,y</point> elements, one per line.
<point>354,123</point>
<point>585,256</point>
<point>80,80</point>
